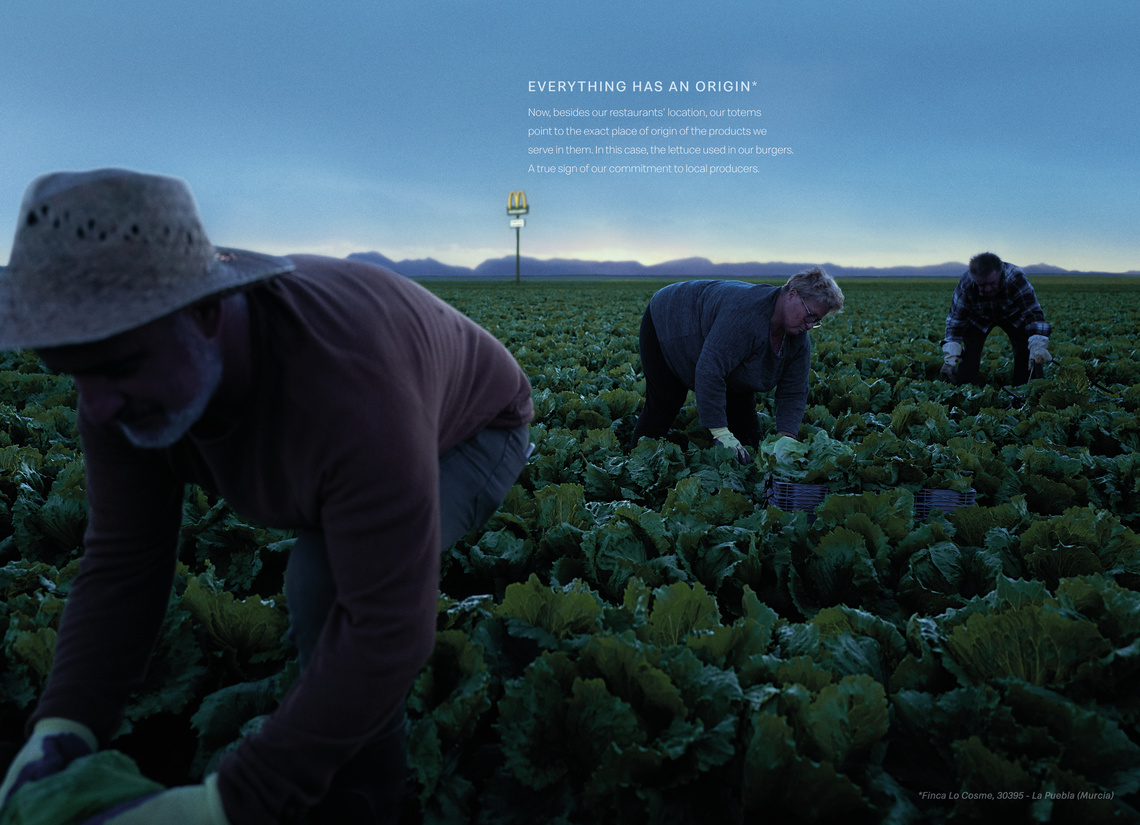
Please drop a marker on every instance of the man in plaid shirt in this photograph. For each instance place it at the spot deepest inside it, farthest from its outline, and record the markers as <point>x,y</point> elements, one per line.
<point>992,294</point>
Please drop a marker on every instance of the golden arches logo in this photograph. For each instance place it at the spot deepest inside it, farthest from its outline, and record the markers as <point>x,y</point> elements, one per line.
<point>516,203</point>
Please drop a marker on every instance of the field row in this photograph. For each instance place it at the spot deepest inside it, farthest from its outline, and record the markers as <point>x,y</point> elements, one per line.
<point>639,637</point>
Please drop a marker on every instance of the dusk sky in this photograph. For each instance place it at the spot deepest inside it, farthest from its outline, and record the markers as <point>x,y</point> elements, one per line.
<point>896,132</point>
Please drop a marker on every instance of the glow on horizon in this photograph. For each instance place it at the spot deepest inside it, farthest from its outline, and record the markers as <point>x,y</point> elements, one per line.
<point>843,243</point>
<point>471,258</point>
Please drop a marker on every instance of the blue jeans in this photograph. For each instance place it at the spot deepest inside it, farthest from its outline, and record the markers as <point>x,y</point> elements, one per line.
<point>474,478</point>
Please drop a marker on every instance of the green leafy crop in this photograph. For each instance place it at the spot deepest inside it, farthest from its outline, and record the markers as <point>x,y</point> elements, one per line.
<point>654,633</point>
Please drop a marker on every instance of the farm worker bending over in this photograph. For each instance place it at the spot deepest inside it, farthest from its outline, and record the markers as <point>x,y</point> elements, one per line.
<point>992,294</point>
<point>332,397</point>
<point>726,341</point>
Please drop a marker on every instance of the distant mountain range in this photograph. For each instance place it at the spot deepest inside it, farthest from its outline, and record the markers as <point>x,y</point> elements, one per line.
<point>499,268</point>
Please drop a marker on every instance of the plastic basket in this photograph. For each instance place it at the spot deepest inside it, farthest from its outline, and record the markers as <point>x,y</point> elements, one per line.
<point>788,495</point>
<point>945,500</point>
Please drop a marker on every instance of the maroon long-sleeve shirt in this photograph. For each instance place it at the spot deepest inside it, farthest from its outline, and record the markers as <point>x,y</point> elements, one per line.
<point>361,379</point>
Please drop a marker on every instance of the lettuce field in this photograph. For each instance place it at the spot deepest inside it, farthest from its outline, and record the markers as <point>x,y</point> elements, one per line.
<point>928,613</point>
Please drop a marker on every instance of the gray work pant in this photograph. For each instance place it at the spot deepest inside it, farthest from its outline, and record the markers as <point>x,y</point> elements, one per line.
<point>474,478</point>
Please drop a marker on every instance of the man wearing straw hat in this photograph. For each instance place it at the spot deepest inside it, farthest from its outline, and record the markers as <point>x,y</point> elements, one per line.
<point>323,395</point>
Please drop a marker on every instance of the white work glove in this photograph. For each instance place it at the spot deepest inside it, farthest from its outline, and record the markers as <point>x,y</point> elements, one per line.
<point>952,355</point>
<point>72,739</point>
<point>184,805</point>
<point>1038,352</point>
<point>723,436</point>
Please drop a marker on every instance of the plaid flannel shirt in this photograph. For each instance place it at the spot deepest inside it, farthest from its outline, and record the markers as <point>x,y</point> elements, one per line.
<point>1014,302</point>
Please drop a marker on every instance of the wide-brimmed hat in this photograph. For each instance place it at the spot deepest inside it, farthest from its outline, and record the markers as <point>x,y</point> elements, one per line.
<point>101,252</point>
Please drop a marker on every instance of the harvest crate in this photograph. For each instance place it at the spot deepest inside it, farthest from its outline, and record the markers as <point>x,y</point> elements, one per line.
<point>789,495</point>
<point>945,500</point>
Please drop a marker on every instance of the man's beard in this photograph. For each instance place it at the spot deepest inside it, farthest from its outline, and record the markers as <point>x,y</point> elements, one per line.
<point>178,422</point>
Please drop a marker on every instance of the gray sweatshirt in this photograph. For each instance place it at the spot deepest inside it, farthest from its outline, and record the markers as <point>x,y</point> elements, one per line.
<point>715,338</point>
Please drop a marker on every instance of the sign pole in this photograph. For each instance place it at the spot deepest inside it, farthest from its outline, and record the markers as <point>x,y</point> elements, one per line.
<point>516,206</point>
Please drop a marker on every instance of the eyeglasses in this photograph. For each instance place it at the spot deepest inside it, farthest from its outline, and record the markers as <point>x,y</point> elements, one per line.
<point>991,283</point>
<point>811,318</point>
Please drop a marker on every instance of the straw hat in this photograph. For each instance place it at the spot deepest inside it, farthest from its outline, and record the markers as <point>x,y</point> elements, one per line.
<point>101,252</point>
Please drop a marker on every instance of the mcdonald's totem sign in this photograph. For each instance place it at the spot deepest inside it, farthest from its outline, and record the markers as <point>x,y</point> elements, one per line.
<point>516,203</point>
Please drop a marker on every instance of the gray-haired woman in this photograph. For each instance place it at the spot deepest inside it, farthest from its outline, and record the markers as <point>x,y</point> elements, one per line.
<point>726,341</point>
